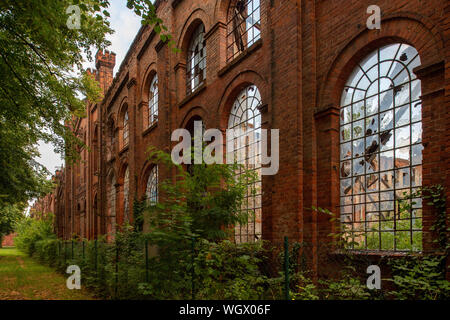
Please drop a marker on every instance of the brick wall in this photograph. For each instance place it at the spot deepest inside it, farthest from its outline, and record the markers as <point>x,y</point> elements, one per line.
<point>306,52</point>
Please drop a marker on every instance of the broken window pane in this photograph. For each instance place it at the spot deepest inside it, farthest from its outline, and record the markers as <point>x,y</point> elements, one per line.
<point>377,138</point>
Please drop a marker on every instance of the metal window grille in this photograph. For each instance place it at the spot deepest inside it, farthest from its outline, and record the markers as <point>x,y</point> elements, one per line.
<point>244,26</point>
<point>125,129</point>
<point>196,60</point>
<point>153,102</point>
<point>245,120</point>
<point>152,186</point>
<point>126,189</point>
<point>381,152</point>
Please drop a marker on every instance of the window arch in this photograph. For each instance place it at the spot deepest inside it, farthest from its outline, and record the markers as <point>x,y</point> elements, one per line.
<point>151,190</point>
<point>126,192</point>
<point>245,120</point>
<point>111,203</point>
<point>126,129</point>
<point>196,60</point>
<point>381,151</point>
<point>244,26</point>
<point>153,101</point>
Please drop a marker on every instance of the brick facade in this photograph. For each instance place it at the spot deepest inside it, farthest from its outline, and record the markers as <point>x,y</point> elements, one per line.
<point>306,52</point>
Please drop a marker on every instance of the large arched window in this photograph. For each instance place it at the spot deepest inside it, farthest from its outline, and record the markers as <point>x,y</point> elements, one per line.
<point>153,102</point>
<point>151,190</point>
<point>244,26</point>
<point>111,205</point>
<point>196,60</point>
<point>245,120</point>
<point>126,192</point>
<point>126,129</point>
<point>381,152</point>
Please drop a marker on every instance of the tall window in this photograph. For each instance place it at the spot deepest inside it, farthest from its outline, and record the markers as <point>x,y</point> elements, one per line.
<point>111,208</point>
<point>126,189</point>
<point>196,60</point>
<point>125,129</point>
<point>245,120</point>
<point>151,190</point>
<point>381,152</point>
<point>244,26</point>
<point>153,102</point>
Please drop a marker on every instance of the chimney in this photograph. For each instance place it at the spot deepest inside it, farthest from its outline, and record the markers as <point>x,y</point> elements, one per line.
<point>105,62</point>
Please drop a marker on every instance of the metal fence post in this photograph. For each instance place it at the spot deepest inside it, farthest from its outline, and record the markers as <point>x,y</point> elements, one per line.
<point>95,249</point>
<point>117,272</point>
<point>72,249</point>
<point>146,260</point>
<point>286,268</point>
<point>192,268</point>
<point>65,251</point>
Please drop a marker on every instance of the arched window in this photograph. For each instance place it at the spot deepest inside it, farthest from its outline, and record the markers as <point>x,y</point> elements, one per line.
<point>111,203</point>
<point>126,190</point>
<point>196,60</point>
<point>244,26</point>
<point>153,102</point>
<point>245,120</point>
<point>125,129</point>
<point>111,141</point>
<point>381,152</point>
<point>151,190</point>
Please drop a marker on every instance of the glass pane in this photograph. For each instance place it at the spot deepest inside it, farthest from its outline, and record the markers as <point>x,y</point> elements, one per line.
<point>402,115</point>
<point>402,136</point>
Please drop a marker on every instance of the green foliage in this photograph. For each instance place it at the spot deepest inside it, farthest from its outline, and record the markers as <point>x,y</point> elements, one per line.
<point>420,278</point>
<point>10,215</point>
<point>41,94</point>
<point>30,231</point>
<point>205,203</point>
<point>424,277</point>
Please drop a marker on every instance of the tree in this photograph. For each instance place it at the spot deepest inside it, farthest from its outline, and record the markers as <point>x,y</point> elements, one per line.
<point>40,94</point>
<point>10,215</point>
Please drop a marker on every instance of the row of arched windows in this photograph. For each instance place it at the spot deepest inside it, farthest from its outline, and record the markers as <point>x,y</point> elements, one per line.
<point>380,138</point>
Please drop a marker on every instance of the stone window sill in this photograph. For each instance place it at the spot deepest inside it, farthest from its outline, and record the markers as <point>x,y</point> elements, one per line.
<point>150,129</point>
<point>192,95</point>
<point>240,57</point>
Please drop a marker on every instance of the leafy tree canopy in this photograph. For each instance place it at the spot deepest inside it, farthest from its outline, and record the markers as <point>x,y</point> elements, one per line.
<point>39,89</point>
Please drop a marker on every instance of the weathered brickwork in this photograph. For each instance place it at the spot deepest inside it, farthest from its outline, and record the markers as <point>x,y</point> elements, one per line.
<point>306,52</point>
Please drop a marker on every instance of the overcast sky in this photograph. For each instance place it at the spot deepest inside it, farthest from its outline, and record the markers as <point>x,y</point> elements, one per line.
<point>126,25</point>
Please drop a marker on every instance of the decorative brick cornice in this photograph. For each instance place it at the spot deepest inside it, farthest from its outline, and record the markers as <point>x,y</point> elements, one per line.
<point>146,44</point>
<point>214,29</point>
<point>142,104</point>
<point>175,3</point>
<point>327,111</point>
<point>160,45</point>
<point>131,83</point>
<point>179,65</point>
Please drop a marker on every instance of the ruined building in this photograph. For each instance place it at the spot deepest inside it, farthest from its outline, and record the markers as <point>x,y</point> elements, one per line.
<point>362,113</point>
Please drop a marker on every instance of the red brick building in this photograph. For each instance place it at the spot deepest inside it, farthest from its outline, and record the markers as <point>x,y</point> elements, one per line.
<point>353,106</point>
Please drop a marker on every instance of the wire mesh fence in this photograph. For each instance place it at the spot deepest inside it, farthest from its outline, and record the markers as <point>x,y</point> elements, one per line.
<point>131,267</point>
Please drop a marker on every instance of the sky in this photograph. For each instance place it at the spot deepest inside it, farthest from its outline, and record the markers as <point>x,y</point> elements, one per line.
<point>126,25</point>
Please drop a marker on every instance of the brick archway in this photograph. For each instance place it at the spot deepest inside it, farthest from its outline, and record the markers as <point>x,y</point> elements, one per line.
<point>427,40</point>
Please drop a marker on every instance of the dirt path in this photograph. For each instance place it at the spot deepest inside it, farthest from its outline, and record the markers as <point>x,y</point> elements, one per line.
<point>22,278</point>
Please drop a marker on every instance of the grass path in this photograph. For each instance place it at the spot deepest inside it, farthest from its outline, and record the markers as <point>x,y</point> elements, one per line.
<point>22,278</point>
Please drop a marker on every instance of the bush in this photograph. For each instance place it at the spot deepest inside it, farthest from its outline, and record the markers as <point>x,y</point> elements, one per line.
<point>30,231</point>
